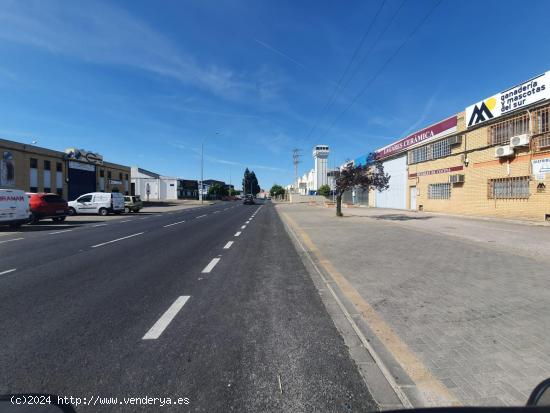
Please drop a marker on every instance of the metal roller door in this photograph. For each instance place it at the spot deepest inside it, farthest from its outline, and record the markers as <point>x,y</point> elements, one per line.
<point>396,195</point>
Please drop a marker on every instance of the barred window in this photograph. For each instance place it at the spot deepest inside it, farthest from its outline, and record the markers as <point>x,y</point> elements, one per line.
<point>500,133</point>
<point>540,121</point>
<point>439,191</point>
<point>441,149</point>
<point>509,188</point>
<point>435,150</point>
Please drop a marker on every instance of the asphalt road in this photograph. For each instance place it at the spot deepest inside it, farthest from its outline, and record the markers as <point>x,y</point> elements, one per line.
<point>173,305</point>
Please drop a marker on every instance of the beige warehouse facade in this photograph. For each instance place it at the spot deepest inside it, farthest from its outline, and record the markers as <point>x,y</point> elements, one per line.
<point>69,174</point>
<point>494,163</point>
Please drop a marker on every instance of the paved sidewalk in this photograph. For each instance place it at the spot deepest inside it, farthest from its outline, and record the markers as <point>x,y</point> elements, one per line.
<point>457,307</point>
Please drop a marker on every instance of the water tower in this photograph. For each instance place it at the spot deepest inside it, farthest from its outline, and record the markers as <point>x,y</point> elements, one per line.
<point>320,155</point>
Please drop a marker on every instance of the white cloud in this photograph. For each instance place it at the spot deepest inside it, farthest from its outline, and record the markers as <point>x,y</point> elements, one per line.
<point>101,33</point>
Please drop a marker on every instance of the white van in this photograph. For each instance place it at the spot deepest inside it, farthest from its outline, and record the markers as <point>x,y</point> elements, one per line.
<point>97,203</point>
<point>14,207</point>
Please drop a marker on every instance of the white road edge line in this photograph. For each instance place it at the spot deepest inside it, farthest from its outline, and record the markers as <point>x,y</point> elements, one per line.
<point>10,240</point>
<point>228,245</point>
<point>175,223</point>
<point>60,232</point>
<point>128,220</point>
<point>7,271</point>
<point>237,233</point>
<point>200,216</point>
<point>165,319</point>
<point>99,225</point>
<point>210,265</point>
<point>118,239</point>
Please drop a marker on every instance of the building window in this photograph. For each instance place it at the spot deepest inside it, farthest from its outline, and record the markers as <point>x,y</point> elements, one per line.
<point>59,192</point>
<point>33,189</point>
<point>33,163</point>
<point>126,176</point>
<point>435,150</point>
<point>59,167</point>
<point>47,165</point>
<point>508,188</point>
<point>33,175</point>
<point>101,173</point>
<point>439,191</point>
<point>109,174</point>
<point>500,133</point>
<point>120,176</point>
<point>47,190</point>
<point>541,122</point>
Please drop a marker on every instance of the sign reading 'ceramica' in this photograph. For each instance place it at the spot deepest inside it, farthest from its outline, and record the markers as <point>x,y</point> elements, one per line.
<point>430,133</point>
<point>515,98</point>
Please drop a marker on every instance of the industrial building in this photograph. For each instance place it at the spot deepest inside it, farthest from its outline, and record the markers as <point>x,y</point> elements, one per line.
<point>320,175</point>
<point>69,174</point>
<point>492,159</point>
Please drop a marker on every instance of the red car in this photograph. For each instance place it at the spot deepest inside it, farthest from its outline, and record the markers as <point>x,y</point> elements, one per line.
<point>44,206</point>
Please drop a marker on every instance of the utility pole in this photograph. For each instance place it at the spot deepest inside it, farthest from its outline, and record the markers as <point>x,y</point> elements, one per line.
<point>296,160</point>
<point>202,171</point>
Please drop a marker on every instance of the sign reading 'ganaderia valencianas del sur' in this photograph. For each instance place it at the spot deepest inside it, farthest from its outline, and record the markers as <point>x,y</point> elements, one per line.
<point>532,91</point>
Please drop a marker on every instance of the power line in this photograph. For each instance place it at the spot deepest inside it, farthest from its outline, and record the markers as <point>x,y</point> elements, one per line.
<point>388,61</point>
<point>354,55</point>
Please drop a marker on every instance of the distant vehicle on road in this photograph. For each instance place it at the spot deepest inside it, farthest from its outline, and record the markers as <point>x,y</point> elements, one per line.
<point>14,207</point>
<point>101,203</point>
<point>248,200</point>
<point>44,205</point>
<point>132,203</point>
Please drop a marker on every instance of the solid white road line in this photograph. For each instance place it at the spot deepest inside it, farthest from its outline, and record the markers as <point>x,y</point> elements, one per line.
<point>161,324</point>
<point>118,239</point>
<point>7,271</point>
<point>243,227</point>
<point>128,220</point>
<point>211,265</point>
<point>237,233</point>
<point>175,223</point>
<point>10,240</point>
<point>99,225</point>
<point>228,245</point>
<point>60,232</point>
<point>200,216</point>
<point>217,212</point>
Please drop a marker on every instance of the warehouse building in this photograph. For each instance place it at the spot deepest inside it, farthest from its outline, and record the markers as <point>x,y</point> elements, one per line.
<point>69,174</point>
<point>492,159</point>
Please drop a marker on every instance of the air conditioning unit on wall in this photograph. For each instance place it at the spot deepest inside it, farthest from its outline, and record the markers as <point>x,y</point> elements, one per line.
<point>455,140</point>
<point>519,140</point>
<point>456,179</point>
<point>504,151</point>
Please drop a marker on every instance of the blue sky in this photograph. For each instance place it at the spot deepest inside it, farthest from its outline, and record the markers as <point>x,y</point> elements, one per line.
<point>145,82</point>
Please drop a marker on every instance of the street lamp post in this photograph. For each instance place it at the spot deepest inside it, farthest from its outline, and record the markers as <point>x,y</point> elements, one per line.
<point>202,172</point>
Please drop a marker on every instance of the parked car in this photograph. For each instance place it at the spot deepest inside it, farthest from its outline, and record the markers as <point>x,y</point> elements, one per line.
<point>132,203</point>
<point>14,207</point>
<point>248,200</point>
<point>43,206</point>
<point>101,203</point>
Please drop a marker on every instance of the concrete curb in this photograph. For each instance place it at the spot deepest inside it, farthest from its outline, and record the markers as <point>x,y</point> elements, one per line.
<point>388,393</point>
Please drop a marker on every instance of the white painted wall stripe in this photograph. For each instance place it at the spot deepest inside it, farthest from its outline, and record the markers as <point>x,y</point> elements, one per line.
<point>211,265</point>
<point>118,239</point>
<point>7,271</point>
<point>228,245</point>
<point>161,324</point>
<point>175,223</point>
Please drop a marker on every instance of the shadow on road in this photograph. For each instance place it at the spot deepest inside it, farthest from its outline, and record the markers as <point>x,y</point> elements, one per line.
<point>401,217</point>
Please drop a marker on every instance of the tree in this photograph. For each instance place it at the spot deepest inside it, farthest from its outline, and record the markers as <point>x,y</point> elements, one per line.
<point>250,183</point>
<point>368,176</point>
<point>277,191</point>
<point>324,190</point>
<point>217,190</point>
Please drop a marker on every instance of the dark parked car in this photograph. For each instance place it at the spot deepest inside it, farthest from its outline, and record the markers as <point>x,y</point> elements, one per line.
<point>43,206</point>
<point>132,203</point>
<point>249,200</point>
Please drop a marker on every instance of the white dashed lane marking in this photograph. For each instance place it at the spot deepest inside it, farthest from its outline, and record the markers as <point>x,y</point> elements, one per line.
<point>8,271</point>
<point>228,245</point>
<point>237,233</point>
<point>99,225</point>
<point>243,227</point>
<point>211,265</point>
<point>10,240</point>
<point>201,216</point>
<point>175,223</point>
<point>161,324</point>
<point>118,239</point>
<point>60,232</point>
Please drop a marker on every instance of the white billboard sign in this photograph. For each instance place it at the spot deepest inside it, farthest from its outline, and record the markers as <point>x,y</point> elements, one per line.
<point>532,91</point>
<point>540,168</point>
